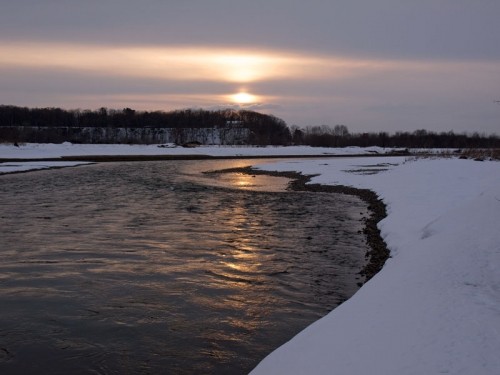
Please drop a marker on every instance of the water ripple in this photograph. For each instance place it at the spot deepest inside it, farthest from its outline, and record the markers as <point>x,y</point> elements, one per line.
<point>154,268</point>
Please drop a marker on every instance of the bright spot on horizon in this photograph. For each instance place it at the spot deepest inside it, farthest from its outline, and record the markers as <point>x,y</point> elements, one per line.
<point>243,98</point>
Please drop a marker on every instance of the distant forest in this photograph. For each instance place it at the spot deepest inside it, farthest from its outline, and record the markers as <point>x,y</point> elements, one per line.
<point>339,136</point>
<point>264,129</point>
<point>22,124</point>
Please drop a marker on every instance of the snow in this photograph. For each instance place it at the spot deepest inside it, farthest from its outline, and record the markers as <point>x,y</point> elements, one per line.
<point>10,167</point>
<point>40,151</point>
<point>435,306</point>
<point>49,150</point>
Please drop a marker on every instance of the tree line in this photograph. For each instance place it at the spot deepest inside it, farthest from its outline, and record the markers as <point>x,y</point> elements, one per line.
<point>339,136</point>
<point>264,129</point>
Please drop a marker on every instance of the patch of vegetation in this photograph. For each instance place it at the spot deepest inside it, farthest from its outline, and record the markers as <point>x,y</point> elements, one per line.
<point>481,154</point>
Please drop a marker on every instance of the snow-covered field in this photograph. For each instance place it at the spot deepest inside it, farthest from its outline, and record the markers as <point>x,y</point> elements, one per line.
<point>34,151</point>
<point>434,308</point>
<point>50,150</point>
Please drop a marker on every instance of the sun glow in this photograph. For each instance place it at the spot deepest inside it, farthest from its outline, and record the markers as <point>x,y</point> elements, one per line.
<point>193,76</point>
<point>173,63</point>
<point>182,63</point>
<point>244,67</point>
<point>243,98</point>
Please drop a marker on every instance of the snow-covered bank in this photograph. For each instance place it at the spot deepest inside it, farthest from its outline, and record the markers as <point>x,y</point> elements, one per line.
<point>435,307</point>
<point>37,151</point>
<point>11,167</point>
<point>49,150</point>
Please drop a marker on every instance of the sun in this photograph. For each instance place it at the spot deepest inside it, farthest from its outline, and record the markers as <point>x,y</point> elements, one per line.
<point>243,98</point>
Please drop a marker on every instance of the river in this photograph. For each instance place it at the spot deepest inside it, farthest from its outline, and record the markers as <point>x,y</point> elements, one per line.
<point>154,267</point>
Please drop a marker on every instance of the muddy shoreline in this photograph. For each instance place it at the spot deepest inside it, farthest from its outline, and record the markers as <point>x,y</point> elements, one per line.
<point>378,253</point>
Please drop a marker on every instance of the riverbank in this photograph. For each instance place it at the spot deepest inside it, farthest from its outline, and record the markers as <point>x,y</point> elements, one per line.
<point>434,307</point>
<point>69,151</point>
<point>34,156</point>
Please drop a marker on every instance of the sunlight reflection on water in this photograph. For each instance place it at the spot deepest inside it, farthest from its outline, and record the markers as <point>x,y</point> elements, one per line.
<point>237,180</point>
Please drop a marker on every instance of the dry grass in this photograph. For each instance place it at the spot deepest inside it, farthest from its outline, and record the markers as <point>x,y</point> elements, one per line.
<point>481,154</point>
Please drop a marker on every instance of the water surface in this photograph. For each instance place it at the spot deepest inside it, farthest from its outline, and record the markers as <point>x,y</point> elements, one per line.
<point>150,267</point>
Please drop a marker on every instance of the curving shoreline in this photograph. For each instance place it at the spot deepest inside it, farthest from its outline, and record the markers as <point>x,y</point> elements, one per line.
<point>379,252</point>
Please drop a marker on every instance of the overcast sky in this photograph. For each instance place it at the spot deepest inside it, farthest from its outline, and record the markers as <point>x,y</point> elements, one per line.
<point>386,65</point>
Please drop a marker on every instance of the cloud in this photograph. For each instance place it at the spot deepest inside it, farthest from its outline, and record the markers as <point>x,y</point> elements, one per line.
<point>455,29</point>
<point>302,88</point>
<point>199,63</point>
<point>187,63</point>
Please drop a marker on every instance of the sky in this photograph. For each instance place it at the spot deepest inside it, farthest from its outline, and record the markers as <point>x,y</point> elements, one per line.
<point>385,65</point>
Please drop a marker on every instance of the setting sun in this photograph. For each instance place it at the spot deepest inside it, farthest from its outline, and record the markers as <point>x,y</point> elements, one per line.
<point>243,98</point>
